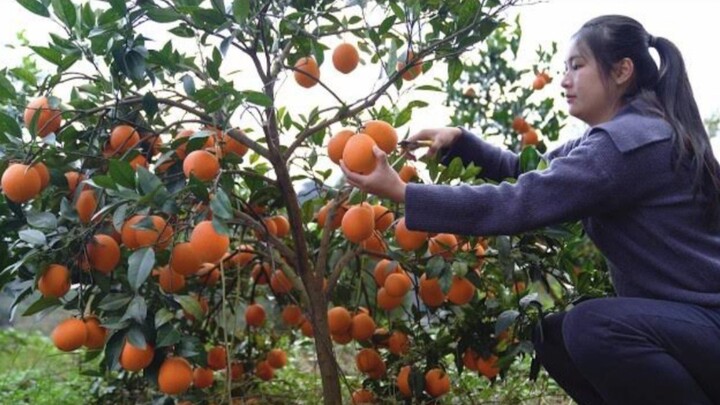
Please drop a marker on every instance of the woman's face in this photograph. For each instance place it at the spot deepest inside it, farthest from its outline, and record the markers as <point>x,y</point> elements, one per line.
<point>589,98</point>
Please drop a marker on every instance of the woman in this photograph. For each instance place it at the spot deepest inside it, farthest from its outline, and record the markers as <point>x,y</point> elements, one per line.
<point>646,186</point>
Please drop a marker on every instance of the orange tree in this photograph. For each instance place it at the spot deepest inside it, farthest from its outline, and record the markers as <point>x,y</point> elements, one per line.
<point>157,194</point>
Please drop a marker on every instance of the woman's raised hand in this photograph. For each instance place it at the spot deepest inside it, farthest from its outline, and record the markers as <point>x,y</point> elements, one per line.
<point>439,137</point>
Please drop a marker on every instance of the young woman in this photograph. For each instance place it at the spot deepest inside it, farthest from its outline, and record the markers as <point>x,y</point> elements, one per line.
<point>646,186</point>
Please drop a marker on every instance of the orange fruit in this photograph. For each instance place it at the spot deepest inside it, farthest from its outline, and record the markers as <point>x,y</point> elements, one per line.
<point>282,225</point>
<point>175,376</point>
<point>368,360</point>
<point>208,243</point>
<point>530,137</point>
<point>184,260</point>
<point>398,343</point>
<point>345,57</point>
<point>362,396</point>
<point>277,358</point>
<point>69,334</point>
<point>156,144</point>
<point>383,269</point>
<point>430,291</point>
<point>337,218</point>
<point>443,244</point>
<point>292,315</point>
<point>55,281</point>
<point>96,333</point>
<point>236,370</point>
<point>170,282</point>
<point>73,180</point>
<point>103,253</point>
<point>245,255</point>
<point>403,381</point>
<point>461,291</point>
<point>387,301</point>
<point>20,183</point>
<point>469,359</point>
<point>470,92</point>
<point>280,283</point>
<point>138,161</point>
<point>358,154</point>
<point>545,77</point>
<point>86,205</point>
<point>358,223</point>
<point>520,125</point>
<point>437,382</point>
<point>44,174</point>
<point>408,173</point>
<point>408,240</point>
<point>306,328</point>
<point>201,164</point>
<point>264,371</point>
<point>133,358</point>
<point>181,150</point>
<point>378,372</point>
<point>336,145</point>
<point>307,72</point>
<point>342,338</point>
<point>397,284</point>
<point>48,119</point>
<point>383,217</point>
<point>339,320</point>
<point>128,232</point>
<point>203,377</point>
<point>217,358</point>
<point>159,235</point>
<point>208,274</point>
<point>539,82</point>
<point>415,69</point>
<point>362,327</point>
<point>261,273</point>
<point>382,133</point>
<point>488,367</point>
<point>123,138</point>
<point>374,244</point>
<point>255,315</point>
<point>230,145</point>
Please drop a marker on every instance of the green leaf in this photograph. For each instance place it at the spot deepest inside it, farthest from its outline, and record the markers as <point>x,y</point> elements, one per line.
<point>435,266</point>
<point>122,173</point>
<point>150,104</point>
<point>163,316</point>
<point>115,301</point>
<point>188,84</point>
<point>42,220</point>
<point>135,65</point>
<point>140,264</point>
<point>136,310</point>
<point>241,10</point>
<point>7,90</point>
<point>220,205</point>
<point>258,98</point>
<point>505,320</point>
<point>103,181</point>
<point>113,347</point>
<point>455,68</point>
<point>213,64</point>
<point>220,226</point>
<point>36,7</point>
<point>149,182</point>
<point>191,305</point>
<point>168,335</point>
<point>530,158</point>
<point>118,6</point>
<point>136,337</point>
<point>65,11</point>
<point>41,304</point>
<point>33,237</point>
<point>49,54</point>
<point>163,15</point>
<point>8,125</point>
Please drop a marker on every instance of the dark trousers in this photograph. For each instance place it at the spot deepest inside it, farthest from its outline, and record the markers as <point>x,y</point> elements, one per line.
<point>633,351</point>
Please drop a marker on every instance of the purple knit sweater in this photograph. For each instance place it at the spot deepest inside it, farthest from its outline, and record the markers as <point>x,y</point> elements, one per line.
<point>618,179</point>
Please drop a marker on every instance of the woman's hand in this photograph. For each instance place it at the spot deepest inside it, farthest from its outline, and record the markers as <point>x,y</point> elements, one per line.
<point>440,138</point>
<point>383,182</point>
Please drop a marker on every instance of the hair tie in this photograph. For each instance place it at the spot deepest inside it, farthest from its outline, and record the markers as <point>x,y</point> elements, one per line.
<point>651,41</point>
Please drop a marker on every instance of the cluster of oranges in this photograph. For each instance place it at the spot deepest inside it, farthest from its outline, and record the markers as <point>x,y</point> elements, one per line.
<point>528,134</point>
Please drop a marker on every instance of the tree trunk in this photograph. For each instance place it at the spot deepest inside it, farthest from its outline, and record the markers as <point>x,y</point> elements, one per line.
<point>323,345</point>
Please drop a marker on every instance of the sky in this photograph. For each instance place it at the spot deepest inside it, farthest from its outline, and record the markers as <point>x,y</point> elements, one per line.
<point>690,24</point>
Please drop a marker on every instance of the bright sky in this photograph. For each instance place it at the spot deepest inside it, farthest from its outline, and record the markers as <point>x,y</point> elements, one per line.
<point>690,24</point>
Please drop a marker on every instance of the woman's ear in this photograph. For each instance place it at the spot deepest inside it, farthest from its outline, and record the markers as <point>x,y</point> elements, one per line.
<point>623,71</point>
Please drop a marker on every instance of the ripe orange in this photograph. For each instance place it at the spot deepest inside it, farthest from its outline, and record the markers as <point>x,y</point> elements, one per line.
<point>44,174</point>
<point>282,225</point>
<point>307,72</point>
<point>345,57</point>
<point>539,82</point>
<point>408,240</point>
<point>208,274</point>
<point>123,138</point>
<point>236,370</point>
<point>470,92</point>
<point>488,367</point>
<point>342,338</point>
<point>431,292</point>
<point>245,255</point>
<point>55,281</point>
<point>86,205</point>
<point>362,396</point>
<point>469,359</point>
<point>69,334</point>
<point>203,378</point>
<point>520,125</point>
<point>181,150</point>
<point>336,145</point>
<point>398,343</point>
<point>415,69</point>
<point>382,133</point>
<point>217,358</point>
<point>362,327</point>
<point>175,376</point>
<point>306,328</point>
<point>403,381</point>
<point>128,232</point>
<point>358,154</point>
<point>160,235</point>
<point>138,161</point>
<point>201,164</point>
<point>383,269</point>
<point>48,119</point>
<point>96,333</point>
<point>437,382</point>
<point>461,291</point>
<point>73,180</point>
<point>374,244</point>
<point>383,217</point>
<point>292,315</point>
<point>255,315</point>
<point>170,282</point>
<point>397,284</point>
<point>358,223</point>
<point>103,253</point>
<point>264,371</point>
<point>208,243</point>
<point>339,320</point>
<point>337,218</point>
<point>20,183</point>
<point>443,244</point>
<point>184,260</point>
<point>530,137</point>
<point>261,273</point>
<point>368,360</point>
<point>386,301</point>
<point>277,358</point>
<point>280,283</point>
<point>230,145</point>
<point>408,173</point>
<point>133,358</point>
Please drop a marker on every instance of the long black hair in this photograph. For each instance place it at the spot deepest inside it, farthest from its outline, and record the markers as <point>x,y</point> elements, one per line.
<point>611,38</point>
